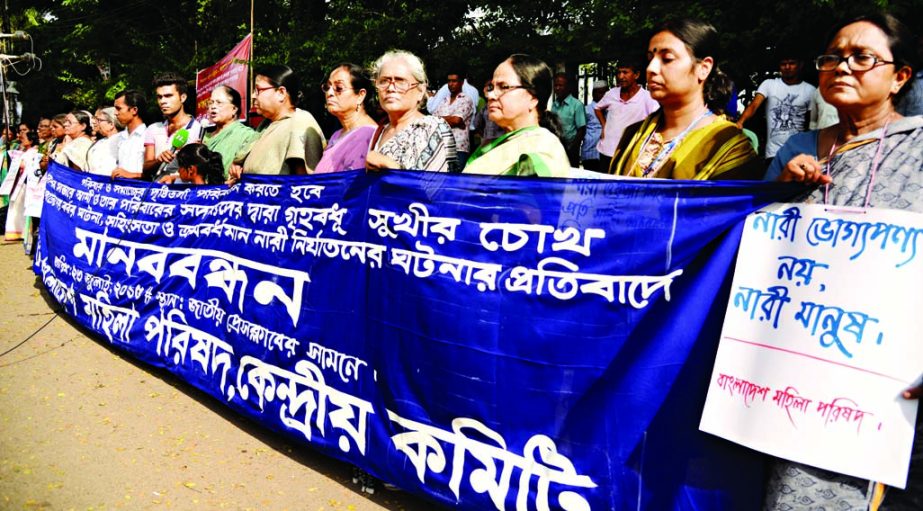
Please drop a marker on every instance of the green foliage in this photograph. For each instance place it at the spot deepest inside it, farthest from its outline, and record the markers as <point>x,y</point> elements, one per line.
<point>138,38</point>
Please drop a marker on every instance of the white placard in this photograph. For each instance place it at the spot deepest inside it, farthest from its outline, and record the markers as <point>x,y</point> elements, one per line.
<point>35,196</point>
<point>821,336</point>
<point>15,159</point>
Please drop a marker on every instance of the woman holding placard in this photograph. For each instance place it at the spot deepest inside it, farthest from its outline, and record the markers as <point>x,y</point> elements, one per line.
<point>872,158</point>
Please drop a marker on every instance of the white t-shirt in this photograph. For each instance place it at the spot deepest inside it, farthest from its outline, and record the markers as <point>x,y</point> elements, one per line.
<point>823,114</point>
<point>156,135</point>
<point>786,111</point>
<point>621,114</point>
<point>131,149</point>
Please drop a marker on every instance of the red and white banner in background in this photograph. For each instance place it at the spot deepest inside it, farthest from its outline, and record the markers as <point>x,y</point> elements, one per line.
<point>231,70</point>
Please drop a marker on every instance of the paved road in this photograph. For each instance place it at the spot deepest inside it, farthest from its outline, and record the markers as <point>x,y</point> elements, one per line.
<point>83,427</point>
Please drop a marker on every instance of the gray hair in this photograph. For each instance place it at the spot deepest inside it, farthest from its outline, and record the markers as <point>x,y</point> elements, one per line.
<point>417,69</point>
<point>109,113</point>
<point>413,62</point>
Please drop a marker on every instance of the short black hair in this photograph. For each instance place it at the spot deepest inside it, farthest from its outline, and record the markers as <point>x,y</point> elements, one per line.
<point>634,64</point>
<point>789,51</point>
<point>171,78</point>
<point>133,98</point>
<point>457,69</point>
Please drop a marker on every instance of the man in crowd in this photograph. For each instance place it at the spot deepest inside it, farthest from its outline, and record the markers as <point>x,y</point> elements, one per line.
<point>457,110</point>
<point>128,106</point>
<point>170,90</point>
<point>589,155</point>
<point>787,99</point>
<point>820,113</point>
<point>439,97</point>
<point>573,118</point>
<point>621,107</point>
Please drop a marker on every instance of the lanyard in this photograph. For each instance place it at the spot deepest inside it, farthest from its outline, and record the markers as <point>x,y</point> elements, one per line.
<point>874,169</point>
<point>669,146</point>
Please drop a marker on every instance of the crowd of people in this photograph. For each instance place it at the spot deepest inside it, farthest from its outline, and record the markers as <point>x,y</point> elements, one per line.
<point>856,139</point>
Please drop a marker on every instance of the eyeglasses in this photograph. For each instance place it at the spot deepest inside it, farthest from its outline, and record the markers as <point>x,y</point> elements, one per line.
<point>855,62</point>
<point>102,119</point>
<point>502,87</point>
<point>401,85</point>
<point>337,89</point>
<point>258,90</point>
<point>218,102</point>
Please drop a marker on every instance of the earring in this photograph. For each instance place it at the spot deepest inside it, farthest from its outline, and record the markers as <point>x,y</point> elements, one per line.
<point>357,107</point>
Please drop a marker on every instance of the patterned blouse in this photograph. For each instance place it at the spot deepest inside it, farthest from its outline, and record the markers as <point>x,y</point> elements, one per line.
<point>427,144</point>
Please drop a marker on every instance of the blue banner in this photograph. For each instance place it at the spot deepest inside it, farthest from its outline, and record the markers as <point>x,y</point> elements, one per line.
<point>492,343</point>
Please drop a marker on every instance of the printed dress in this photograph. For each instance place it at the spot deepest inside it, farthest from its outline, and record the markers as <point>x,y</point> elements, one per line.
<point>427,144</point>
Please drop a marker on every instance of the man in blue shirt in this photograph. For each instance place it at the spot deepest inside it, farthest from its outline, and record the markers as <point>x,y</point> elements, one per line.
<point>573,118</point>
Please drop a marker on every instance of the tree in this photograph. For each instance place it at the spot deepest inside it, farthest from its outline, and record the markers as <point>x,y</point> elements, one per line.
<point>135,39</point>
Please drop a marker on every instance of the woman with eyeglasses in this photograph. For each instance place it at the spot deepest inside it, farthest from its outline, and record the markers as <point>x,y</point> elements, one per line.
<point>228,137</point>
<point>688,138</point>
<point>864,84</point>
<point>410,139</point>
<point>872,158</point>
<point>280,147</point>
<point>78,129</point>
<point>102,158</point>
<point>347,91</point>
<point>517,97</point>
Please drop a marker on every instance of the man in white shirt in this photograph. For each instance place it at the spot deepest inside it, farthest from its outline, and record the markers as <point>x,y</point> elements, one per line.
<point>621,107</point>
<point>128,104</point>
<point>822,114</point>
<point>787,100</point>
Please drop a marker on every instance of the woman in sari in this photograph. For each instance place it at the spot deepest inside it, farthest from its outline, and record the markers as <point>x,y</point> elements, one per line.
<point>27,164</point>
<point>516,100</point>
<point>58,139</point>
<point>872,158</point>
<point>348,90</point>
<point>280,147</point>
<point>688,138</point>
<point>78,128</point>
<point>228,136</point>
<point>410,139</point>
<point>103,155</point>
